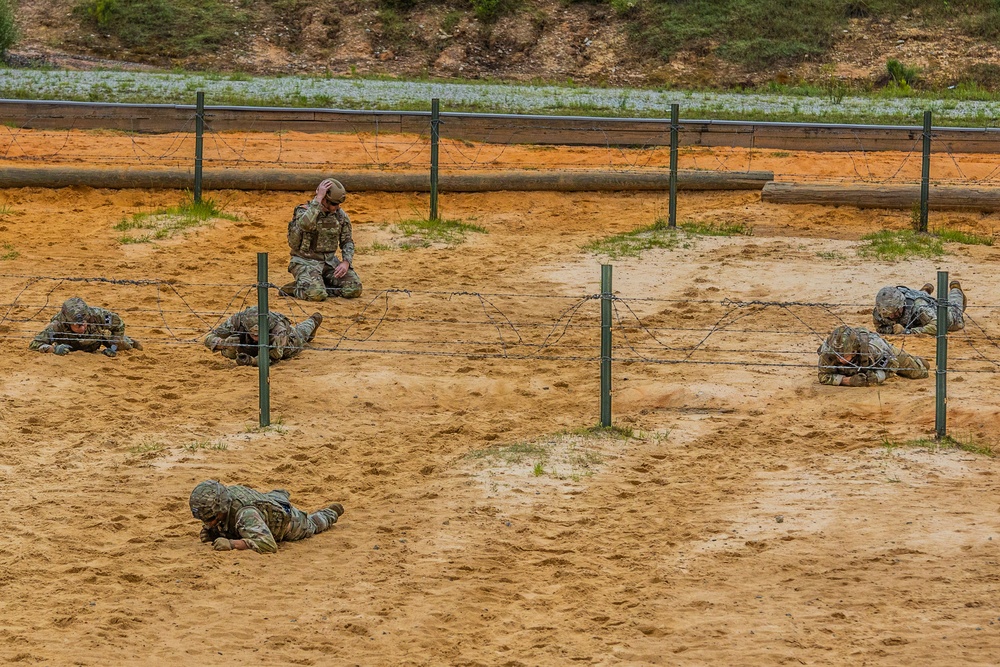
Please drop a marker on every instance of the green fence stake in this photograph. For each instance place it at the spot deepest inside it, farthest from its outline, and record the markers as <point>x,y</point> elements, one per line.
<point>941,376</point>
<point>199,145</point>
<point>263,341</point>
<point>925,172</point>
<point>435,136</point>
<point>606,297</point>
<point>674,116</point>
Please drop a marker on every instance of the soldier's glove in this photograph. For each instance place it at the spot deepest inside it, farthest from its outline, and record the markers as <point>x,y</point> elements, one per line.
<point>110,351</point>
<point>62,349</point>
<point>229,346</point>
<point>898,329</point>
<point>859,380</point>
<point>222,544</point>
<point>245,360</point>
<point>205,535</point>
<point>871,377</point>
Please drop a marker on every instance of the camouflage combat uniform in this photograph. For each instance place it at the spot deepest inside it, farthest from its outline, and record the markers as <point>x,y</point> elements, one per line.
<point>104,328</point>
<point>918,314</point>
<point>314,237</point>
<point>875,359</point>
<point>233,337</point>
<point>261,519</point>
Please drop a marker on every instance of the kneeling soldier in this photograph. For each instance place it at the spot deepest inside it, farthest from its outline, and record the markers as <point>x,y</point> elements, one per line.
<point>238,517</point>
<point>237,338</point>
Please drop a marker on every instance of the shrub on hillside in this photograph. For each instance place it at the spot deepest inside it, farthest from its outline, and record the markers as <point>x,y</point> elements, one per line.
<point>8,26</point>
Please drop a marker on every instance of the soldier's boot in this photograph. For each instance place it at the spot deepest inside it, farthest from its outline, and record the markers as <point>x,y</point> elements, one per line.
<point>929,288</point>
<point>326,517</point>
<point>955,285</point>
<point>318,319</point>
<point>136,345</point>
<point>288,289</point>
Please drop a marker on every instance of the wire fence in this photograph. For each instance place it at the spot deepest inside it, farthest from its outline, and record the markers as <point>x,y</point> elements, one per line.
<point>756,336</point>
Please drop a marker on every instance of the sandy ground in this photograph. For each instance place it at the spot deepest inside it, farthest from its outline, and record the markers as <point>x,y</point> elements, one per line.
<point>755,516</point>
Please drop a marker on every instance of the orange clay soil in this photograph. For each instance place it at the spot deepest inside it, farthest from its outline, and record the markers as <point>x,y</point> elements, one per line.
<point>754,518</point>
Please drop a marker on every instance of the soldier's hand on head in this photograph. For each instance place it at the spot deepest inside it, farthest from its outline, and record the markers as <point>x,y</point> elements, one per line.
<point>322,189</point>
<point>898,329</point>
<point>62,349</point>
<point>222,544</point>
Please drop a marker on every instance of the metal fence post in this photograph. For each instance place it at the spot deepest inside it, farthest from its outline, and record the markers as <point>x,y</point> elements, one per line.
<point>606,297</point>
<point>925,172</point>
<point>263,341</point>
<point>435,136</point>
<point>674,116</point>
<point>199,144</point>
<point>941,376</point>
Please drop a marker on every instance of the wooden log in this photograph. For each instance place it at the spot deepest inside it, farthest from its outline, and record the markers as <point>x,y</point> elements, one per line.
<point>379,181</point>
<point>941,198</point>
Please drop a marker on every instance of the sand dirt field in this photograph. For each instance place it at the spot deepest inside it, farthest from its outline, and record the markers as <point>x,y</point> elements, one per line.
<point>755,517</point>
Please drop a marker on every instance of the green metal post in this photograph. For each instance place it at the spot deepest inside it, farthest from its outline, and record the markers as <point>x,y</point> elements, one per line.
<point>435,136</point>
<point>925,172</point>
<point>674,115</point>
<point>606,297</point>
<point>199,145</point>
<point>263,341</point>
<point>941,376</point>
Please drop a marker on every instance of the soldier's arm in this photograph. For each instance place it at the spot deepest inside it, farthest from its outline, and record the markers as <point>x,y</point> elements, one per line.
<point>926,316</point>
<point>221,333</point>
<point>827,371</point>
<point>110,321</point>
<point>43,341</point>
<point>255,534</point>
<point>346,240</point>
<point>882,325</point>
<point>306,218</point>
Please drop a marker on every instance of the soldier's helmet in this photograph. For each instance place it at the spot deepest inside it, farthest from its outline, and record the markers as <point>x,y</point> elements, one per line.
<point>844,340</point>
<point>210,499</point>
<point>250,320</point>
<point>336,194</point>
<point>75,310</point>
<point>889,302</point>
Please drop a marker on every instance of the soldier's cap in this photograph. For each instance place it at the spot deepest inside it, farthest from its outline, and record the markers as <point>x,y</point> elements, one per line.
<point>209,499</point>
<point>337,193</point>
<point>251,320</point>
<point>889,302</point>
<point>75,310</point>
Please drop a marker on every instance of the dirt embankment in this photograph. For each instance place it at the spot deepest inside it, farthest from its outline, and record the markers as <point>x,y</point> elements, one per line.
<point>546,40</point>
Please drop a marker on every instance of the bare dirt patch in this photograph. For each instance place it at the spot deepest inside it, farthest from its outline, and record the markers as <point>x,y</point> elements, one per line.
<point>756,519</point>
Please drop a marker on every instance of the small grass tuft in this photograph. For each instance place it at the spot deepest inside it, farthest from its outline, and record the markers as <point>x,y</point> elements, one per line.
<point>538,470</point>
<point>146,447</point>
<point>614,431</point>
<point>890,245</point>
<point>7,251</point>
<point>421,233</point>
<point>164,223</point>
<point>216,445</point>
<point>514,453</point>
<point>717,228</point>
<point>967,445</point>
<point>831,255</point>
<point>636,242</point>
<point>966,238</point>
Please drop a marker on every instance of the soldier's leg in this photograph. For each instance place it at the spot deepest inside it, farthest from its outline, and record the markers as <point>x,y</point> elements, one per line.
<point>910,366</point>
<point>956,309</point>
<point>308,282</point>
<point>348,287</point>
<point>304,525</point>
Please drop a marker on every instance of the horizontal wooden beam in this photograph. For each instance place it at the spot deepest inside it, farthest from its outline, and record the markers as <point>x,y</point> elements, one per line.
<point>941,198</point>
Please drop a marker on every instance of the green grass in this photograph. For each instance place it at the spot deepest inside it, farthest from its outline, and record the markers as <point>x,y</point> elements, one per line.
<point>889,245</point>
<point>715,229</point>
<point>7,251</point>
<point>823,254</point>
<point>421,233</point>
<point>216,445</point>
<point>161,28</point>
<point>164,223</point>
<point>966,238</point>
<point>967,445</point>
<point>634,243</point>
<point>514,453</point>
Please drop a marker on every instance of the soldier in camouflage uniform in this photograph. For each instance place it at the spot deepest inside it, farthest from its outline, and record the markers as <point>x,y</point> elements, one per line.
<point>79,327</point>
<point>238,337</point>
<point>318,228</point>
<point>856,357</point>
<point>901,310</point>
<point>238,517</point>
